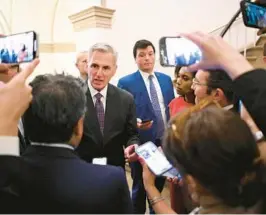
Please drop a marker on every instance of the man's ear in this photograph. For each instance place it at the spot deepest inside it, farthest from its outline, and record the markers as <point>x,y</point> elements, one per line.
<point>78,130</point>
<point>219,95</point>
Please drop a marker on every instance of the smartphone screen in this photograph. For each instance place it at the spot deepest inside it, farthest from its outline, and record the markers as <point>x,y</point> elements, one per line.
<point>254,15</point>
<point>18,48</point>
<point>178,51</point>
<point>154,158</point>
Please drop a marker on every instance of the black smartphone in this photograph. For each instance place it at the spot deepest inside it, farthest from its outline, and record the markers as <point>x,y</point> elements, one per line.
<point>146,120</point>
<point>178,51</point>
<point>19,48</point>
<point>254,14</point>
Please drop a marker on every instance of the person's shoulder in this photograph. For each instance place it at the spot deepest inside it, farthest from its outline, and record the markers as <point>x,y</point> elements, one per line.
<point>163,75</point>
<point>123,93</point>
<point>128,78</point>
<point>113,173</point>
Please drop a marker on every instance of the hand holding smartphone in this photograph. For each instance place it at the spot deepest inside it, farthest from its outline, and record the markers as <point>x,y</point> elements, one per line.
<point>156,160</point>
<point>178,51</point>
<point>254,14</point>
<point>18,48</point>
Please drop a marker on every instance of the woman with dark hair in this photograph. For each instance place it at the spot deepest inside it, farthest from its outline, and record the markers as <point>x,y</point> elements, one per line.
<point>182,84</point>
<point>180,202</point>
<point>217,155</point>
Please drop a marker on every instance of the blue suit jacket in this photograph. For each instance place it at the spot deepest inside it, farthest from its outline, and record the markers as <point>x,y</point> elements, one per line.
<point>135,85</point>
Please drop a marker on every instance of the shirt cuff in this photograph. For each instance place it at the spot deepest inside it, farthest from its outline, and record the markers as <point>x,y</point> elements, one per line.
<point>9,145</point>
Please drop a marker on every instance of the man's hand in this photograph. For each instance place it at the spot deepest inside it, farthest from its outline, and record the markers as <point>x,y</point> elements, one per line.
<point>130,153</point>
<point>15,97</point>
<point>145,125</point>
<point>218,54</point>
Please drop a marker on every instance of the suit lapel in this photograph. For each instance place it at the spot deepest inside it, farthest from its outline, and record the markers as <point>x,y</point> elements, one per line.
<point>111,111</point>
<point>92,127</point>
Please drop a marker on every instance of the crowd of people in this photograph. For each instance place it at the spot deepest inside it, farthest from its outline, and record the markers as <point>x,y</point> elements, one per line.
<point>64,141</point>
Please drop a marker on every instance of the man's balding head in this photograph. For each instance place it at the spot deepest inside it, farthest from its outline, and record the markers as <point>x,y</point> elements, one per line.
<point>81,63</point>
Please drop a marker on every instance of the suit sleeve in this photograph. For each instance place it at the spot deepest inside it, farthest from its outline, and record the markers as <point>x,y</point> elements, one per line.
<point>121,85</point>
<point>172,96</point>
<point>126,203</point>
<point>251,89</point>
<point>131,126</point>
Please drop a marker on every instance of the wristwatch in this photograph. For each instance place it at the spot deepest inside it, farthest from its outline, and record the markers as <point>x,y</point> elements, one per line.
<point>259,136</point>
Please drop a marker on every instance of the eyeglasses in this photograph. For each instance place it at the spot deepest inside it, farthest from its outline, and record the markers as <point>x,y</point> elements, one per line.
<point>196,82</point>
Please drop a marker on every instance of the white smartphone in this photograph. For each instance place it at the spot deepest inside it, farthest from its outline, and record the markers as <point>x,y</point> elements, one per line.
<point>156,160</point>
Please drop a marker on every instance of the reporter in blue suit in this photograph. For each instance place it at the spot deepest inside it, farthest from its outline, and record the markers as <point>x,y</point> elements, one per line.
<point>152,92</point>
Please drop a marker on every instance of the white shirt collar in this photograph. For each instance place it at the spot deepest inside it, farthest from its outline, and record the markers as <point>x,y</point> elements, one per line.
<point>228,107</point>
<point>58,145</point>
<point>146,75</point>
<point>94,92</point>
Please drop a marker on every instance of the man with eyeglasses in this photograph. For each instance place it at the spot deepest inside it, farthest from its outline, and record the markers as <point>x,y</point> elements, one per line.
<point>110,123</point>
<point>217,85</point>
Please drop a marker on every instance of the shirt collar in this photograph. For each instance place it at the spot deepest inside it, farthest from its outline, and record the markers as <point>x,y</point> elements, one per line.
<point>146,75</point>
<point>94,91</point>
<point>57,145</point>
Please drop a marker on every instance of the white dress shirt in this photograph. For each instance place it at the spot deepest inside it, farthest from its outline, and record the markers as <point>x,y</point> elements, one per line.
<point>9,145</point>
<point>55,145</point>
<point>94,92</point>
<point>146,80</point>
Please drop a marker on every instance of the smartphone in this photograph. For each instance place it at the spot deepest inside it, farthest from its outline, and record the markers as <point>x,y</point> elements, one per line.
<point>254,14</point>
<point>156,160</point>
<point>178,51</point>
<point>146,120</point>
<point>18,48</point>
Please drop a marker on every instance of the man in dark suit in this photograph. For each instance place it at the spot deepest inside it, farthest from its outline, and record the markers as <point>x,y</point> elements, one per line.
<point>152,91</point>
<point>60,181</point>
<point>110,122</point>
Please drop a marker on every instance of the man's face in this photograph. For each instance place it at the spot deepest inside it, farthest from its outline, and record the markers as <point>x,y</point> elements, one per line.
<point>101,68</point>
<point>145,59</point>
<point>82,63</point>
<point>199,85</point>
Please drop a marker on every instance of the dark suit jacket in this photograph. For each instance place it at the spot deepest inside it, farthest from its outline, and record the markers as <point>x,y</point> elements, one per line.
<point>120,128</point>
<point>13,172</point>
<point>251,90</point>
<point>135,84</point>
<point>61,182</point>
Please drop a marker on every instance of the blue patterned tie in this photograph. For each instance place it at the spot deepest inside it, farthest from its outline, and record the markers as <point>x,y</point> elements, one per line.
<point>156,108</point>
<point>99,110</point>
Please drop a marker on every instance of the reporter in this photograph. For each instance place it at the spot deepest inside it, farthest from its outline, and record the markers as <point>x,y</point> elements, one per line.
<point>248,83</point>
<point>198,146</point>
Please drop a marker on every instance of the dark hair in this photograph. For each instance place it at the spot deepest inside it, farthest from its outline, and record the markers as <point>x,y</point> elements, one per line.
<point>219,79</point>
<point>142,44</point>
<point>178,68</point>
<point>57,105</point>
<point>217,148</point>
